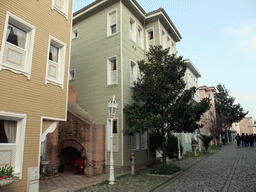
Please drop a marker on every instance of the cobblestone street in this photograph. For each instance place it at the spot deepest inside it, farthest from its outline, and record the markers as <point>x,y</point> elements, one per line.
<point>230,169</point>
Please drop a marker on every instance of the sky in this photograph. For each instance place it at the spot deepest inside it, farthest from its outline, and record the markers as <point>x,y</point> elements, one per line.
<point>219,37</point>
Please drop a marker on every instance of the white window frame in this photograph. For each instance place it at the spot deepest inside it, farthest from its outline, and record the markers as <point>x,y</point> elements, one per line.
<point>72,74</point>
<point>24,67</point>
<point>145,135</point>
<point>140,36</point>
<point>109,29</point>
<point>135,138</point>
<point>132,29</point>
<point>115,135</point>
<point>133,72</point>
<point>147,37</point>
<point>75,33</point>
<point>63,11</point>
<point>59,79</point>
<point>109,82</point>
<point>20,139</point>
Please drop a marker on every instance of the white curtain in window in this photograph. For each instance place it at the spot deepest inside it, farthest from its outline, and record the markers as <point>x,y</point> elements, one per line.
<point>10,128</point>
<point>21,38</point>
<point>16,36</point>
<point>58,3</point>
<point>53,55</point>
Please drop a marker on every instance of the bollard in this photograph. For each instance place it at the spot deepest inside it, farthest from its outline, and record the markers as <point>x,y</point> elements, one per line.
<point>132,164</point>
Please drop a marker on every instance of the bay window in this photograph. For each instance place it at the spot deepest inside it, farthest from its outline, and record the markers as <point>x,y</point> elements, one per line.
<point>61,6</point>
<point>111,23</point>
<point>12,137</point>
<point>112,70</point>
<point>132,29</point>
<point>140,37</point>
<point>133,73</point>
<point>56,62</point>
<point>150,38</point>
<point>17,45</point>
<point>115,134</point>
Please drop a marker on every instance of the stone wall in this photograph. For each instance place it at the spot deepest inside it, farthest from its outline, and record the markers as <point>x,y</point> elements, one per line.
<point>87,138</point>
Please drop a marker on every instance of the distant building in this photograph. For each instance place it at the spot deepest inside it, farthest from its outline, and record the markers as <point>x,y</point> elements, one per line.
<point>191,79</point>
<point>247,126</point>
<point>208,117</point>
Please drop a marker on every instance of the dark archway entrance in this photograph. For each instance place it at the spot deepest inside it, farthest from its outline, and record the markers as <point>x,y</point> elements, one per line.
<point>68,157</point>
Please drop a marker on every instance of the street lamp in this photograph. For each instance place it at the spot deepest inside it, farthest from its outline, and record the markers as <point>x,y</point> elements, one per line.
<point>179,156</point>
<point>112,107</point>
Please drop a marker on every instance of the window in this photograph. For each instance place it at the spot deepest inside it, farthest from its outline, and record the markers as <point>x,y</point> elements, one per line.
<point>135,142</point>
<point>144,140</point>
<point>132,29</point>
<point>75,34</point>
<point>72,74</point>
<point>56,62</point>
<point>61,6</point>
<point>112,70</point>
<point>115,134</point>
<point>134,74</point>
<point>12,137</point>
<point>17,45</point>
<point>140,37</point>
<point>150,38</point>
<point>112,28</point>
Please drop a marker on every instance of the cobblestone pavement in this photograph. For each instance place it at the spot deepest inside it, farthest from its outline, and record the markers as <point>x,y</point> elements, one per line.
<point>142,181</point>
<point>230,169</point>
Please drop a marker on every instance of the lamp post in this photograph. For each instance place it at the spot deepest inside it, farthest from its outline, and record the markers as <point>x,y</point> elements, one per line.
<point>112,107</point>
<point>179,156</point>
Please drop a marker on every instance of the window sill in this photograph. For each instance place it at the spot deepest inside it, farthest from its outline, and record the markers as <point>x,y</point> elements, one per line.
<point>54,83</point>
<point>133,41</point>
<point>141,48</point>
<point>14,70</point>
<point>109,36</point>
<point>113,84</point>
<point>17,174</point>
<point>60,11</point>
<point>145,149</point>
<point>114,151</point>
<point>135,149</point>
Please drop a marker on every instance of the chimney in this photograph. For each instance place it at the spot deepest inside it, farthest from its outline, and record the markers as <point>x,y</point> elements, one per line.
<point>71,94</point>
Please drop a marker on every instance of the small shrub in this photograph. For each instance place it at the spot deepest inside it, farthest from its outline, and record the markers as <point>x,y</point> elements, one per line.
<point>206,139</point>
<point>166,170</point>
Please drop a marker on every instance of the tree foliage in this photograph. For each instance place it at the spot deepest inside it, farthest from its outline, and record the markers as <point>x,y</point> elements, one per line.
<point>226,111</point>
<point>206,139</point>
<point>161,101</point>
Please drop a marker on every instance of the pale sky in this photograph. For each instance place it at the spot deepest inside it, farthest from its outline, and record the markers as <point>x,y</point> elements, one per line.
<point>219,37</point>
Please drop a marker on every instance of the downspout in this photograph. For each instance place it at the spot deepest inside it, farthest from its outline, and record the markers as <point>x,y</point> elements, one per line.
<point>122,81</point>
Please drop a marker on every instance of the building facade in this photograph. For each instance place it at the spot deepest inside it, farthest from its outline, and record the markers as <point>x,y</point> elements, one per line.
<point>208,117</point>
<point>109,37</point>
<point>191,79</point>
<point>34,67</point>
<point>247,126</point>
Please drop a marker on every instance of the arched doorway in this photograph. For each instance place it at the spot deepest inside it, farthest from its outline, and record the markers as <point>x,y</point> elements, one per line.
<point>68,158</point>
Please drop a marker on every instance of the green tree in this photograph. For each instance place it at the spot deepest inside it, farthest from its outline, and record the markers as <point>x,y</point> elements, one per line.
<point>226,111</point>
<point>206,139</point>
<point>161,102</point>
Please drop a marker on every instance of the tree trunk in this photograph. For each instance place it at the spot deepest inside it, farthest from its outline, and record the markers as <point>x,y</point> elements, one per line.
<point>164,151</point>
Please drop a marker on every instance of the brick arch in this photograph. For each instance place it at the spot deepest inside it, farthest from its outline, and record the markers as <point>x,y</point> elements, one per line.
<point>72,143</point>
